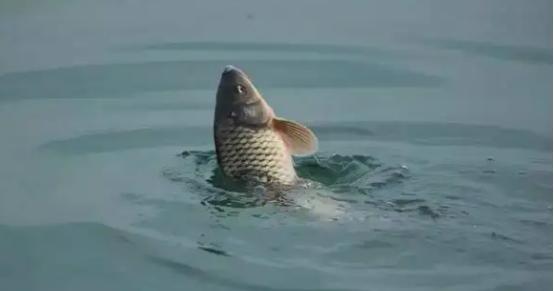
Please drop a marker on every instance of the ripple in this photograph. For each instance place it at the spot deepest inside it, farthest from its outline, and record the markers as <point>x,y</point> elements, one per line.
<point>525,54</point>
<point>214,251</point>
<point>112,80</point>
<point>130,139</point>
<point>335,169</point>
<point>271,47</point>
<point>420,133</point>
<point>190,271</point>
<point>434,133</point>
<point>329,184</point>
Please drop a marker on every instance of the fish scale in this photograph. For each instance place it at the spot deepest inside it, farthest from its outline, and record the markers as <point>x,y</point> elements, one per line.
<point>254,152</point>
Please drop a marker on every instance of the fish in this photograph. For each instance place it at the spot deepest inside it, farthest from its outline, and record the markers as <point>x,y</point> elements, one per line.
<point>253,144</point>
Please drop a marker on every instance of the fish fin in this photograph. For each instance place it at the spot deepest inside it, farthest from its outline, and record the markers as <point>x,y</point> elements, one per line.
<point>299,139</point>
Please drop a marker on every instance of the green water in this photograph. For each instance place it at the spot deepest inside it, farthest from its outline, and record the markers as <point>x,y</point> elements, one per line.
<point>434,170</point>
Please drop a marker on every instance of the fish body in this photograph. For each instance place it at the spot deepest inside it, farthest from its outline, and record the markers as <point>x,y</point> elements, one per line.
<point>254,154</point>
<point>252,144</point>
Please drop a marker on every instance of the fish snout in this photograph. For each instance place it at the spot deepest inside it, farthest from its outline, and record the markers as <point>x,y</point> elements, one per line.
<point>231,70</point>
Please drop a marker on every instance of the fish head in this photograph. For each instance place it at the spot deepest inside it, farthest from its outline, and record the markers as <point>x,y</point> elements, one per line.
<point>239,101</point>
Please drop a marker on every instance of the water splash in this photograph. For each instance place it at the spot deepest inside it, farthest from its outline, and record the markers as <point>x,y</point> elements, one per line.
<point>329,184</point>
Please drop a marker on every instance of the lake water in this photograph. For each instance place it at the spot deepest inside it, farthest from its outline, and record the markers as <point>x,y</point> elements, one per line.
<point>434,170</point>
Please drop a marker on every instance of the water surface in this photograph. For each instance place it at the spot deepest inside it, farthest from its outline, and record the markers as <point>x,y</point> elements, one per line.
<point>435,162</point>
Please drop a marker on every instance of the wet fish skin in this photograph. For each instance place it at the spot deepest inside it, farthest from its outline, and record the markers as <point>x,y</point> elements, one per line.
<point>251,143</point>
<point>258,154</point>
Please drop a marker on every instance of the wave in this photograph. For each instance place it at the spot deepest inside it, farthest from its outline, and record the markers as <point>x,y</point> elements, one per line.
<point>420,133</point>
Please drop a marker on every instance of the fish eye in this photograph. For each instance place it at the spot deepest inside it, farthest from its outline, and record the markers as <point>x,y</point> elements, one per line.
<point>240,89</point>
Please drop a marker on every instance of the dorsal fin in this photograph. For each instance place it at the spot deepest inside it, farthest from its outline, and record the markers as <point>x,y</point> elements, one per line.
<point>300,140</point>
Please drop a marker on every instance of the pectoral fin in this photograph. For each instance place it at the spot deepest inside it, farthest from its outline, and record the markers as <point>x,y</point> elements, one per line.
<point>299,139</point>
